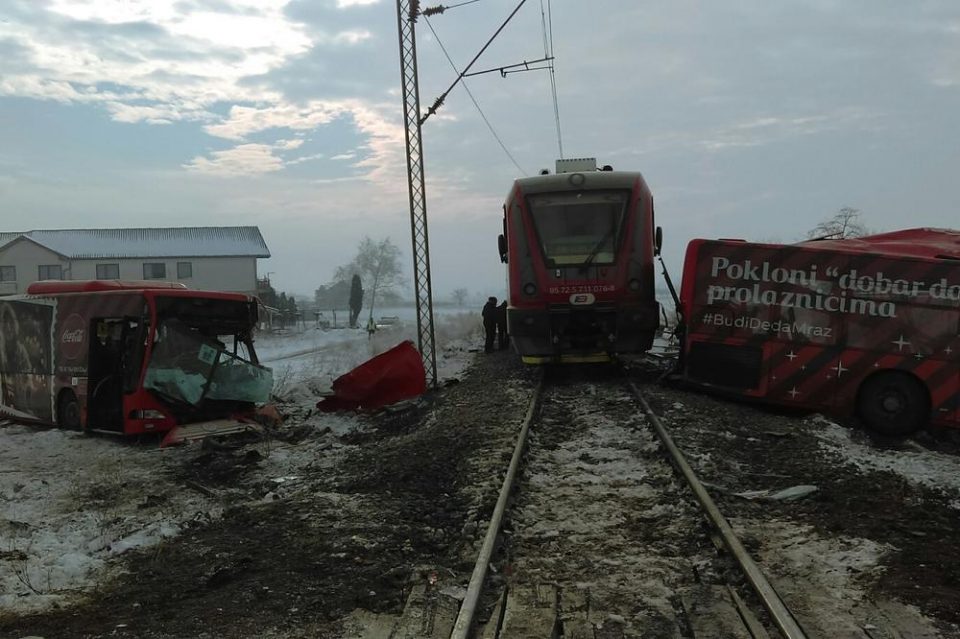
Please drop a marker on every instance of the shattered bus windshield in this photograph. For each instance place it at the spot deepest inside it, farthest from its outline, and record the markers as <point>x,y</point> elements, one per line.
<point>578,227</point>
<point>189,367</point>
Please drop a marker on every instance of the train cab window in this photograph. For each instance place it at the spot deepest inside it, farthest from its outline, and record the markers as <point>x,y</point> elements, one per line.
<point>579,227</point>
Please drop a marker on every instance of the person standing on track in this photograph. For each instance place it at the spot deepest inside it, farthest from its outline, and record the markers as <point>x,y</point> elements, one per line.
<point>490,323</point>
<point>502,336</point>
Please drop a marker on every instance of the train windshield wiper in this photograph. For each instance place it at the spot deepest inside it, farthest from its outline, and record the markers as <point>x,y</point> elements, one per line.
<point>596,249</point>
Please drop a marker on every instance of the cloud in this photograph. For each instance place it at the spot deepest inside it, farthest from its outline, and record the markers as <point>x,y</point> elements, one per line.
<point>241,160</point>
<point>770,129</point>
<point>345,4</point>
<point>155,62</point>
<point>383,160</point>
<point>245,120</point>
<point>355,36</point>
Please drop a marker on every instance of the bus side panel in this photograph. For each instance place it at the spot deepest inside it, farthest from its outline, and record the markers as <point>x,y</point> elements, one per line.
<point>807,327</point>
<point>75,314</point>
<point>902,317</point>
<point>759,323</point>
<point>26,359</point>
<point>803,375</point>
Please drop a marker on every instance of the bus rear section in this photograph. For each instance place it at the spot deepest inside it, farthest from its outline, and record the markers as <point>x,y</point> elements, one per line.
<point>144,357</point>
<point>579,248</point>
<point>867,326</point>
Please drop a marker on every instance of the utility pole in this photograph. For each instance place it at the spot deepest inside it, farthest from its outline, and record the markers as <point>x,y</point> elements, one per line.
<point>407,13</point>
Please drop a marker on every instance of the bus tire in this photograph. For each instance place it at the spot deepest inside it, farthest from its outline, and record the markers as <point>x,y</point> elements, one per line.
<point>893,403</point>
<point>68,411</point>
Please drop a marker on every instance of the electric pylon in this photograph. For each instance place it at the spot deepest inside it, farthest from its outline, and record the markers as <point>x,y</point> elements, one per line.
<point>407,13</point>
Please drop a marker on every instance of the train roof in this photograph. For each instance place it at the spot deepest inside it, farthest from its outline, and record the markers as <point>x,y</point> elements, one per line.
<point>918,242</point>
<point>587,179</point>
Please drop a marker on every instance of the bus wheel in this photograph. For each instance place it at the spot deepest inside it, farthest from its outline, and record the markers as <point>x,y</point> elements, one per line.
<point>68,411</point>
<point>893,403</point>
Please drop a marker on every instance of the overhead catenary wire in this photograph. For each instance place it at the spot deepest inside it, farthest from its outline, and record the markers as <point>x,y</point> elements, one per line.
<point>473,99</point>
<point>439,101</point>
<point>547,20</point>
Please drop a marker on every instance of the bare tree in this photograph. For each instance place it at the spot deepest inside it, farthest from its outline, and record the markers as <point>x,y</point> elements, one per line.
<point>459,296</point>
<point>846,223</point>
<point>378,265</point>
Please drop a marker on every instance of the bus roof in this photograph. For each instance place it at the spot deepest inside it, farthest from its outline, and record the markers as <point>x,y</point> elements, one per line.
<point>919,242</point>
<point>147,288</point>
<point>56,287</point>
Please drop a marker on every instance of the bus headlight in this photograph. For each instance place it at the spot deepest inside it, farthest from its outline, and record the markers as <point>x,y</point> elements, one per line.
<point>530,289</point>
<point>147,414</point>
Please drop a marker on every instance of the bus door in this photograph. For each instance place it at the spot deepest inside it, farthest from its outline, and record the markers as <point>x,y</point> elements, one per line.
<point>26,357</point>
<point>115,360</point>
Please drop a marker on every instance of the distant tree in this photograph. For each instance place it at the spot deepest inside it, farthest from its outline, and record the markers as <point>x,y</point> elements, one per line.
<point>268,295</point>
<point>459,296</point>
<point>282,307</point>
<point>378,265</point>
<point>333,296</point>
<point>846,223</point>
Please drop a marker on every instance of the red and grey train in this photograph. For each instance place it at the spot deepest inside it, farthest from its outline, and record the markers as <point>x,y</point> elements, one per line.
<point>579,246</point>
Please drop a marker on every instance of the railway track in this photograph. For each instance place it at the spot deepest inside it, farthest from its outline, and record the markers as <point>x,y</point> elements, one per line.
<point>599,532</point>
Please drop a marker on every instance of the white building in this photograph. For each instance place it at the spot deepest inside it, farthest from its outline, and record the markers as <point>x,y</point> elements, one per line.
<point>214,258</point>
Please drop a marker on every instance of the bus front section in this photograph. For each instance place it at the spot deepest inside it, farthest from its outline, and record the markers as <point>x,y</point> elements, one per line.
<point>201,364</point>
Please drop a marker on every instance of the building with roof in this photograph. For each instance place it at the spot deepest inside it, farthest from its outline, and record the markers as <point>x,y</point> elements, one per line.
<point>216,258</point>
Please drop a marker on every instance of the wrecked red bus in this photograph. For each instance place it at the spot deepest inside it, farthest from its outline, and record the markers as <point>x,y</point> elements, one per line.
<point>128,357</point>
<point>867,326</point>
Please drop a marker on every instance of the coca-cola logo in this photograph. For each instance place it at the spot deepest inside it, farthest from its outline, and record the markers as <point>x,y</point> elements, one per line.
<point>73,336</point>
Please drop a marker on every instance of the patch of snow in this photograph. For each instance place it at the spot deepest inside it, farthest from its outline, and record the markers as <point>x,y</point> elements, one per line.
<point>71,503</point>
<point>924,467</point>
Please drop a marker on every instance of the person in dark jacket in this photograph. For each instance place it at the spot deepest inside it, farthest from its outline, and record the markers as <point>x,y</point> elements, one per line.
<point>356,300</point>
<point>490,323</point>
<point>502,325</point>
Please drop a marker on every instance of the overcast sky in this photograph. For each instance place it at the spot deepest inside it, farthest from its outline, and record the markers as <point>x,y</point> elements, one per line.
<point>749,118</point>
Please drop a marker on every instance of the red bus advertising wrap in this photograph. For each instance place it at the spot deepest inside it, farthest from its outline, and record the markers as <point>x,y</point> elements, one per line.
<point>128,357</point>
<point>867,326</point>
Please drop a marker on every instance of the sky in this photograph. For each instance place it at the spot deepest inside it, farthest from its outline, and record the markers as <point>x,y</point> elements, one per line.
<point>748,118</point>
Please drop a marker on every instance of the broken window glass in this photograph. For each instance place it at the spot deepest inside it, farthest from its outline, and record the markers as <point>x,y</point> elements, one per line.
<point>187,366</point>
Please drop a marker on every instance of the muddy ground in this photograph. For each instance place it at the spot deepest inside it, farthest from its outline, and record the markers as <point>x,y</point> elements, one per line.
<point>737,448</point>
<point>403,499</point>
<point>360,529</point>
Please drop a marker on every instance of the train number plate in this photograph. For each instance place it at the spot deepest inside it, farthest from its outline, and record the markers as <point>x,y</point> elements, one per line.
<point>582,299</point>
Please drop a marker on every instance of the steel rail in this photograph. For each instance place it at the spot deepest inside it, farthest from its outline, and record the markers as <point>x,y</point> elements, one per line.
<point>779,612</point>
<point>464,622</point>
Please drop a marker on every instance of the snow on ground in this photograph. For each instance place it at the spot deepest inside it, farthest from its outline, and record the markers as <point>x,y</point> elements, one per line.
<point>939,471</point>
<point>71,503</point>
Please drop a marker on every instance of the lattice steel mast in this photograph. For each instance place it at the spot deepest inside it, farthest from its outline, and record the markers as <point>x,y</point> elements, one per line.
<point>407,13</point>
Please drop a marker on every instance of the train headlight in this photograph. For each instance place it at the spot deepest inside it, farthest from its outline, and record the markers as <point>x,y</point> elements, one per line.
<point>530,289</point>
<point>634,285</point>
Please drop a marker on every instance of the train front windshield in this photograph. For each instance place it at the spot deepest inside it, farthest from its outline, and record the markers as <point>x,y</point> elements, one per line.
<point>579,227</point>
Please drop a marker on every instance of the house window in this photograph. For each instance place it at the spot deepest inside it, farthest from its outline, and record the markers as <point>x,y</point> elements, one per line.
<point>154,270</point>
<point>50,272</point>
<point>8,273</point>
<point>108,271</point>
<point>184,270</point>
